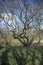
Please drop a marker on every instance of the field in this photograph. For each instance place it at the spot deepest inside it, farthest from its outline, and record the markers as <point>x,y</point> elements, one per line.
<point>18,43</point>
<point>16,54</point>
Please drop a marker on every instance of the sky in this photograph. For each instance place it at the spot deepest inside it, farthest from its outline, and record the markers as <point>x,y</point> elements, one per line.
<point>31,2</point>
<point>36,1</point>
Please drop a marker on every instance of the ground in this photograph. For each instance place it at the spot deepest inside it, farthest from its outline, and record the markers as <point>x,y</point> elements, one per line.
<point>16,54</point>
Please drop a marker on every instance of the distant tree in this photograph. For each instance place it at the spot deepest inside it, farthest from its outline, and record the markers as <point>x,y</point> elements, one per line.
<point>5,37</point>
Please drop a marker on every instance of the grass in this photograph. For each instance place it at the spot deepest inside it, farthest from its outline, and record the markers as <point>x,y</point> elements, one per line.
<point>16,42</point>
<point>16,54</point>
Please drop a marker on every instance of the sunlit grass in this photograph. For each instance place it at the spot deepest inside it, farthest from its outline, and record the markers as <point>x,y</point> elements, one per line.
<point>15,42</point>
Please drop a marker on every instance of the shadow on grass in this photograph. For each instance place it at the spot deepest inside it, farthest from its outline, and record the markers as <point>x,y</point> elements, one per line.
<point>4,57</point>
<point>41,62</point>
<point>22,56</point>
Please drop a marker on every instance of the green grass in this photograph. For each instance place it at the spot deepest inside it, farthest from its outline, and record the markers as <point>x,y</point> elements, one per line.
<point>16,55</point>
<point>16,42</point>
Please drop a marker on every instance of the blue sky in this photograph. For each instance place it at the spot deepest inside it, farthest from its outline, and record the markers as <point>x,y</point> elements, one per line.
<point>31,1</point>
<point>35,1</point>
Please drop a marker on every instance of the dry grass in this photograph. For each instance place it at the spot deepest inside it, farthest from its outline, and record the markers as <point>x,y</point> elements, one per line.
<point>36,41</point>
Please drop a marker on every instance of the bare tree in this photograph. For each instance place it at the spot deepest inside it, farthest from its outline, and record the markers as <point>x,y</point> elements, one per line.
<point>22,19</point>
